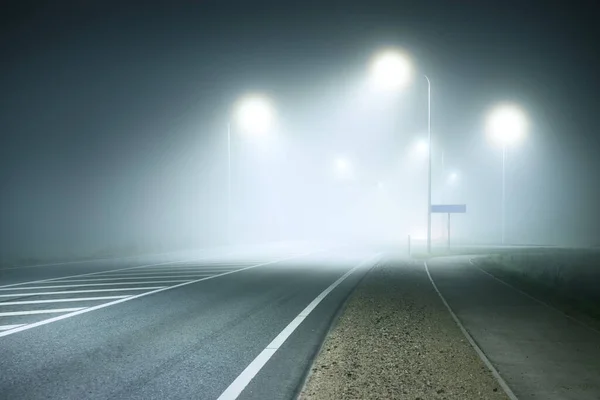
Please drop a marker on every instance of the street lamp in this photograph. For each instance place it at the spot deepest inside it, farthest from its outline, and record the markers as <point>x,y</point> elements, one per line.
<point>452,178</point>
<point>254,115</point>
<point>342,167</point>
<point>506,125</point>
<point>392,70</point>
<point>421,146</point>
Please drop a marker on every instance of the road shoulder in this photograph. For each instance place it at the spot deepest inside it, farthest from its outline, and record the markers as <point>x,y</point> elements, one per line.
<point>540,352</point>
<point>396,340</point>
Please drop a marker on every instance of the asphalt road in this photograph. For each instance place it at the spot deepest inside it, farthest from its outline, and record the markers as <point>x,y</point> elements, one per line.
<point>176,326</point>
<point>540,352</point>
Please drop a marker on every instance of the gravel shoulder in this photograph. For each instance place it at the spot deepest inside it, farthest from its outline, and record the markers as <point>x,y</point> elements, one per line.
<point>396,340</point>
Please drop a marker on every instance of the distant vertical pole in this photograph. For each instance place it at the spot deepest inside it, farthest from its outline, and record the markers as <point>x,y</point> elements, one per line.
<point>229,211</point>
<point>442,188</point>
<point>448,231</point>
<point>409,245</point>
<point>429,163</point>
<point>443,174</point>
<point>503,195</point>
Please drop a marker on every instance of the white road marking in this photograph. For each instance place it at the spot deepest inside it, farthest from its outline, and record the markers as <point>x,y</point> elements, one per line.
<point>129,278</point>
<point>478,350</point>
<point>218,264</point>
<point>240,383</point>
<point>31,312</point>
<point>100,306</point>
<point>96,284</point>
<point>199,265</point>
<point>70,262</point>
<point>89,274</point>
<point>108,259</point>
<point>79,291</point>
<point>69,300</point>
<point>171,272</point>
<point>9,327</point>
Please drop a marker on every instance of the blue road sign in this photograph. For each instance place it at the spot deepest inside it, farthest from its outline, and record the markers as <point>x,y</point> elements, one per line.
<point>448,208</point>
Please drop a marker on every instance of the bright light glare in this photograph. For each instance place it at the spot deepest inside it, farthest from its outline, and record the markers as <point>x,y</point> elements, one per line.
<point>342,167</point>
<point>255,114</point>
<point>453,177</point>
<point>421,146</point>
<point>506,124</point>
<point>390,70</point>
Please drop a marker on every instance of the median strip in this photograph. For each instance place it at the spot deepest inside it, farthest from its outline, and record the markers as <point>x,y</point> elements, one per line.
<point>396,340</point>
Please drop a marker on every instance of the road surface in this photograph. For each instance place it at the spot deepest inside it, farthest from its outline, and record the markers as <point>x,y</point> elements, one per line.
<point>247,323</point>
<point>172,326</point>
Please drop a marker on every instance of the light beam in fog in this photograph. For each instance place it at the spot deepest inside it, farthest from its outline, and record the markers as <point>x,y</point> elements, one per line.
<point>255,114</point>
<point>506,125</point>
<point>390,70</point>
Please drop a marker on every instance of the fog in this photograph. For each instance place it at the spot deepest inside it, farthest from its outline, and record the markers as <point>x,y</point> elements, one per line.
<point>114,137</point>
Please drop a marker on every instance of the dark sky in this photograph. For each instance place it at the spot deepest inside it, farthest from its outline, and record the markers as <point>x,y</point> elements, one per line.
<point>105,103</point>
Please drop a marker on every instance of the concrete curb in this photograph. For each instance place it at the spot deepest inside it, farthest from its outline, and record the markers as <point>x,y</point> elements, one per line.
<point>478,350</point>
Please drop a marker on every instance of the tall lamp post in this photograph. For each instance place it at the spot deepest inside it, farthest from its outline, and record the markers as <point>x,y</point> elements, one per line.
<point>506,125</point>
<point>392,70</point>
<point>254,115</point>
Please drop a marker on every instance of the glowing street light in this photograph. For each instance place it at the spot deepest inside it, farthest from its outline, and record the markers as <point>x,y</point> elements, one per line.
<point>421,146</point>
<point>452,178</point>
<point>392,70</point>
<point>342,167</point>
<point>506,125</point>
<point>254,115</point>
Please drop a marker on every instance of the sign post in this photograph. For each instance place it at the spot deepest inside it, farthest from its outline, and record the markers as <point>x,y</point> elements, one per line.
<point>448,209</point>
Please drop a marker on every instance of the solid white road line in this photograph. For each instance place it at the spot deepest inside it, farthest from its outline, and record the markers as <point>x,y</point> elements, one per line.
<point>96,284</point>
<point>73,299</point>
<point>240,383</point>
<point>31,312</point>
<point>130,278</point>
<point>94,308</point>
<point>9,327</point>
<point>470,339</point>
<point>80,291</point>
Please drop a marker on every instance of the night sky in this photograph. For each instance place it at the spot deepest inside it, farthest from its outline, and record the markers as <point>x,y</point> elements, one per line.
<point>112,114</point>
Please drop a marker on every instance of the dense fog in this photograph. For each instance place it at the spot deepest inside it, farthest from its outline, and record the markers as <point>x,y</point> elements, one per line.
<point>114,135</point>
